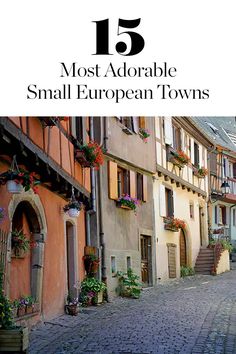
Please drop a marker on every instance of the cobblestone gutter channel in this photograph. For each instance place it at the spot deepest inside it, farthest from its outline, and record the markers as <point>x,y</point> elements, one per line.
<point>192,315</point>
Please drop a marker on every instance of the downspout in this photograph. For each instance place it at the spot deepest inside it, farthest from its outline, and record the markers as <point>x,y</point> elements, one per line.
<point>209,217</point>
<point>93,192</point>
<point>100,184</point>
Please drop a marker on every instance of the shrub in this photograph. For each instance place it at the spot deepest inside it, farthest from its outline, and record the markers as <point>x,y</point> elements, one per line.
<point>186,271</point>
<point>128,284</point>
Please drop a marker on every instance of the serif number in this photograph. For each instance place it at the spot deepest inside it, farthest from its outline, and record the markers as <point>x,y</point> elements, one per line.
<point>102,37</point>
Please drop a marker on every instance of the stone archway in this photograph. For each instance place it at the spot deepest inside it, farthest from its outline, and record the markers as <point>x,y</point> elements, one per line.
<point>26,208</point>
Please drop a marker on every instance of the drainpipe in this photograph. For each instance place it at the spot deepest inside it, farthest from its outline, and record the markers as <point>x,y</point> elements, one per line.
<point>93,192</point>
<point>100,188</point>
<point>230,220</point>
<point>209,217</point>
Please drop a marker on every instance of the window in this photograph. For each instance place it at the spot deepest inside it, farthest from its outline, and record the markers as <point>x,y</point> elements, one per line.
<point>196,154</point>
<point>132,124</point>
<point>191,210</point>
<point>216,214</point>
<point>222,215</point>
<point>176,137</point>
<point>123,184</point>
<point>78,129</point>
<point>234,217</point>
<point>128,260</point>
<point>234,170</point>
<point>169,202</point>
<point>139,186</point>
<point>113,265</point>
<point>213,163</point>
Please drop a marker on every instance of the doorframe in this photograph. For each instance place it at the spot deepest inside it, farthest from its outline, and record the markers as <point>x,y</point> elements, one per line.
<point>151,234</point>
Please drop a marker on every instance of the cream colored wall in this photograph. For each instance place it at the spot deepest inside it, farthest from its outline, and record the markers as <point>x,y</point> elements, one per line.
<point>181,210</point>
<point>223,265</point>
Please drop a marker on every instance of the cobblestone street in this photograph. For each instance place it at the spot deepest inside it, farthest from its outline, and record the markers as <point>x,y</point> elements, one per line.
<point>192,315</point>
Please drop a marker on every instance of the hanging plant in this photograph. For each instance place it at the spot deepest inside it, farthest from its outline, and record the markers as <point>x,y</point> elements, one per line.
<point>144,134</point>
<point>18,179</point>
<point>20,243</point>
<point>90,155</point>
<point>73,208</point>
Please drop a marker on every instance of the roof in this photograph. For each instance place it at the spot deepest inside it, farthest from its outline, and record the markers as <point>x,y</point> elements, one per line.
<point>220,130</point>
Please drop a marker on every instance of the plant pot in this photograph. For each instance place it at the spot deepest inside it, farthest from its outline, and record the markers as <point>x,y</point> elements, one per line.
<point>122,206</point>
<point>14,340</point>
<point>29,309</point>
<point>14,311</point>
<point>171,228</point>
<point>21,311</point>
<point>197,174</point>
<point>73,212</point>
<point>17,253</point>
<point>13,187</point>
<point>72,310</point>
<point>100,297</point>
<point>176,162</point>
<point>80,157</point>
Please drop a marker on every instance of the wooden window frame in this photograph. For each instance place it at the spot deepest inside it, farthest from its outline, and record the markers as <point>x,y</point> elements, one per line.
<point>177,144</point>
<point>196,155</point>
<point>169,202</point>
<point>123,181</point>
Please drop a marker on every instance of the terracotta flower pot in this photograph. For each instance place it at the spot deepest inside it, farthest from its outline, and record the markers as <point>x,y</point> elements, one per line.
<point>72,310</point>
<point>29,309</point>
<point>21,311</point>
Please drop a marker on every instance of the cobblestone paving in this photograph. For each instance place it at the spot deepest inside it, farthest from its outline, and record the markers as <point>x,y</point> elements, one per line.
<point>187,316</point>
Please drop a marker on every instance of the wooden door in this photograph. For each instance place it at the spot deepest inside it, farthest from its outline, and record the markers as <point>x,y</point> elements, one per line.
<point>146,253</point>
<point>172,260</point>
<point>182,247</point>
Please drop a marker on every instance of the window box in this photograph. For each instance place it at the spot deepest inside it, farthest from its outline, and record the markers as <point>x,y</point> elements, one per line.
<point>14,340</point>
<point>173,224</point>
<point>200,172</point>
<point>178,158</point>
<point>119,205</point>
<point>80,157</point>
<point>171,228</point>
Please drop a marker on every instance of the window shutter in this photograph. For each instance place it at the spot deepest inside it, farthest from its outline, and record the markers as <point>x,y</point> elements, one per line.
<point>142,123</point>
<point>168,131</point>
<point>226,168</point>
<point>135,124</point>
<point>234,170</point>
<point>174,201</point>
<point>200,156</point>
<point>183,141</point>
<point>145,197</point>
<point>216,214</point>
<point>224,215</point>
<point>132,181</point>
<point>113,187</point>
<point>213,162</point>
<point>192,149</point>
<point>162,201</point>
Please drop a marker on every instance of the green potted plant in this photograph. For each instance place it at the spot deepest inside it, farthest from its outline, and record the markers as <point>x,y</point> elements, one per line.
<point>173,224</point>
<point>72,306</point>
<point>129,285</point>
<point>73,208</point>
<point>144,134</point>
<point>20,243</point>
<point>19,179</point>
<point>12,338</point>
<point>95,286</point>
<point>127,202</point>
<point>29,302</point>
<point>91,264</point>
<point>90,155</point>
<point>200,172</point>
<point>179,158</point>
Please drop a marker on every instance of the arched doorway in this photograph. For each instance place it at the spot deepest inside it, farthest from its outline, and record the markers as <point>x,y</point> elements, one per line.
<point>26,271</point>
<point>183,249</point>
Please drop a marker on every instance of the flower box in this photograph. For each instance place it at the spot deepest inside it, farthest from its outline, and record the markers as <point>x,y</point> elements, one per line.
<point>171,228</point>
<point>176,162</point>
<point>21,311</point>
<point>119,205</point>
<point>80,157</point>
<point>14,340</point>
<point>200,172</point>
<point>17,253</point>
